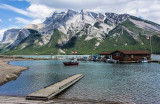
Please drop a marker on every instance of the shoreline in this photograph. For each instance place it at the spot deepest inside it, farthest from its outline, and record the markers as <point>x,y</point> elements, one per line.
<point>12,72</point>
<point>22,100</point>
<point>9,72</point>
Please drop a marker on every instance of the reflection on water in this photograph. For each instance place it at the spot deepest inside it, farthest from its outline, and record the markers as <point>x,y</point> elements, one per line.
<point>139,83</point>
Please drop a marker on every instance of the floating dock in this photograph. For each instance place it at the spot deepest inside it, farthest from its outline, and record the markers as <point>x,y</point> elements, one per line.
<point>49,92</point>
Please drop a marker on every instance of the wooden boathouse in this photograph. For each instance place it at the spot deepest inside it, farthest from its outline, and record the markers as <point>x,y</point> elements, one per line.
<point>127,55</point>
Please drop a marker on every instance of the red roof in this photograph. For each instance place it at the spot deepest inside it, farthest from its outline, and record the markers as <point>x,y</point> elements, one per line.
<point>135,52</point>
<point>126,52</point>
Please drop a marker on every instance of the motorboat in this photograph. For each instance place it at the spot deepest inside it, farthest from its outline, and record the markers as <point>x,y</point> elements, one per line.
<point>71,62</point>
<point>112,61</point>
<point>143,60</point>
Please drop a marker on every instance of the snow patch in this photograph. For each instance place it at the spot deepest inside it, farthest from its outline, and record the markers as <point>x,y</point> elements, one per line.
<point>97,44</point>
<point>115,35</point>
<point>61,51</point>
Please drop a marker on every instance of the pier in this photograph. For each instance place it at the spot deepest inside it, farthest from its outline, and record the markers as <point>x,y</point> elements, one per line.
<point>49,92</point>
<point>156,61</point>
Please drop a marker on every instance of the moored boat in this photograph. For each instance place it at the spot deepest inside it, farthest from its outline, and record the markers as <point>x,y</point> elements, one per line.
<point>112,61</point>
<point>143,60</point>
<point>70,63</point>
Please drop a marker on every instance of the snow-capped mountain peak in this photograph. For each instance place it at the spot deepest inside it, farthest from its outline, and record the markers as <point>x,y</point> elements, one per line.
<point>73,25</point>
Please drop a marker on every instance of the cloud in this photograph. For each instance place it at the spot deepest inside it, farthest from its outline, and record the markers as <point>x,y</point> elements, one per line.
<point>8,7</point>
<point>148,9</point>
<point>26,21</point>
<point>36,12</point>
<point>40,9</point>
<point>0,20</point>
<point>78,4</point>
<point>22,20</point>
<point>10,20</point>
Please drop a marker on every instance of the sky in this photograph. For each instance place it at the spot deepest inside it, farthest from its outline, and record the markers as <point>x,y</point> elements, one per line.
<point>19,13</point>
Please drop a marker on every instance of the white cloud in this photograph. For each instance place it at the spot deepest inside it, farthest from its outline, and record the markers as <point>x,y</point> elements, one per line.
<point>148,9</point>
<point>22,20</point>
<point>37,21</point>
<point>0,20</point>
<point>37,12</point>
<point>10,20</point>
<point>40,9</point>
<point>5,6</point>
<point>26,22</point>
<point>78,4</point>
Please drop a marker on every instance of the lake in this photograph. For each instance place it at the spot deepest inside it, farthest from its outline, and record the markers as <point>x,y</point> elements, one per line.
<point>49,56</point>
<point>137,82</point>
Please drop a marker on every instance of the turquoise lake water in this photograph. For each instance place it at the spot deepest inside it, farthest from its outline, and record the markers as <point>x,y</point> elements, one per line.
<point>138,83</point>
<point>49,56</point>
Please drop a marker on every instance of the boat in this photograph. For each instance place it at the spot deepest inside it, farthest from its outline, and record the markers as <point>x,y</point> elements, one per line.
<point>70,63</point>
<point>143,60</point>
<point>112,61</point>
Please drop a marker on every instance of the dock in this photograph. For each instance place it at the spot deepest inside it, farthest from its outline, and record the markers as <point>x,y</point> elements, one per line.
<point>155,61</point>
<point>49,92</point>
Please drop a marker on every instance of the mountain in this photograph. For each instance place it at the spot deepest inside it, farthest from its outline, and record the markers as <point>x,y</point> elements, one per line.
<point>85,32</point>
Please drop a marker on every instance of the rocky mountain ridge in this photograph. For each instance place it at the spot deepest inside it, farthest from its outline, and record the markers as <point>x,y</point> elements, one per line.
<point>73,26</point>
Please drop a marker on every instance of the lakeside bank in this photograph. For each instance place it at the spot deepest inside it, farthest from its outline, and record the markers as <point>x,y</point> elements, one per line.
<point>22,100</point>
<point>11,72</point>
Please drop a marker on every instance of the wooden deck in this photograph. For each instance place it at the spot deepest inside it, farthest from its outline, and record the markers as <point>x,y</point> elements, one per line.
<point>50,91</point>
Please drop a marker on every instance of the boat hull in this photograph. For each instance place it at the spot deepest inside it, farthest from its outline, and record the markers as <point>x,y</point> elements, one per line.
<point>70,63</point>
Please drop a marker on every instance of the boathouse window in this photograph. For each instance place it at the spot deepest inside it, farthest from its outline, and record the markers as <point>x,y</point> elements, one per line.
<point>147,57</point>
<point>126,56</point>
<point>132,56</point>
<point>117,54</point>
<point>142,55</point>
<point>110,56</point>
